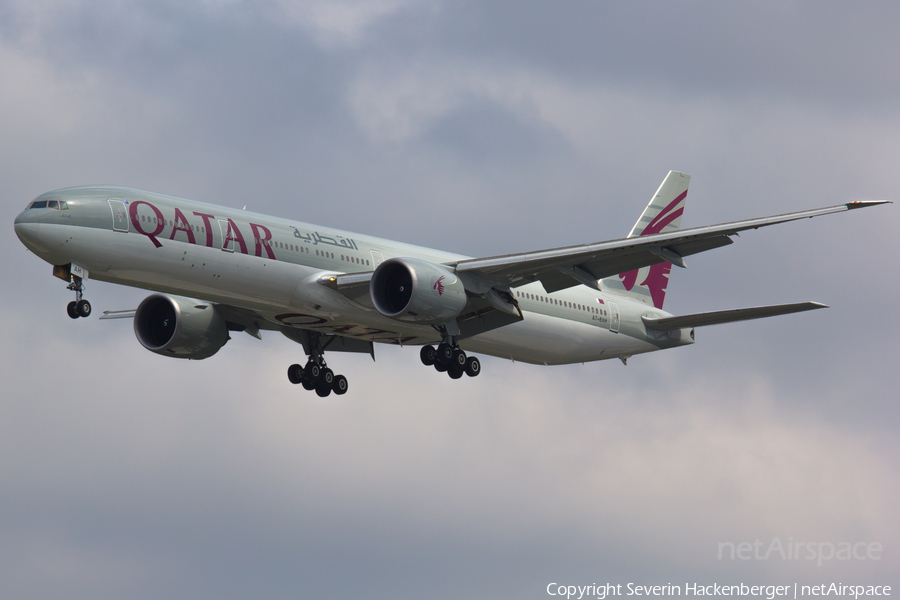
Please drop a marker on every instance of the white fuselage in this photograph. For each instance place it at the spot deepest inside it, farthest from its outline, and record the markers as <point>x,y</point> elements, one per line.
<point>272,266</point>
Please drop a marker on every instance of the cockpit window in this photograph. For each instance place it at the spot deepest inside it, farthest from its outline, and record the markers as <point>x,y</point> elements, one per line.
<point>55,204</point>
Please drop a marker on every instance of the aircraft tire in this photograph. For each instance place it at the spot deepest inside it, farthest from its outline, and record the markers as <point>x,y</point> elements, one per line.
<point>327,376</point>
<point>428,355</point>
<point>339,385</point>
<point>455,373</point>
<point>323,390</point>
<point>70,308</point>
<point>440,367</point>
<point>459,359</point>
<point>445,353</point>
<point>313,371</point>
<point>308,385</point>
<point>295,374</point>
<point>473,366</point>
<point>83,308</point>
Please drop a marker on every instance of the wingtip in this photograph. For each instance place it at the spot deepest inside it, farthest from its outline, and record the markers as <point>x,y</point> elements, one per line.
<point>866,203</point>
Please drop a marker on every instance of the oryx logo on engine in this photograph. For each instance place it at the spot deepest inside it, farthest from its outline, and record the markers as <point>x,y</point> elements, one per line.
<point>439,286</point>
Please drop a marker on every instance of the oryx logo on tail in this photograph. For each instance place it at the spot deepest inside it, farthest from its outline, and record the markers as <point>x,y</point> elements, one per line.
<point>662,215</point>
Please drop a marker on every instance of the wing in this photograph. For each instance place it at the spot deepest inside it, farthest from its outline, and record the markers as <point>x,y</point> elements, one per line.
<point>561,268</point>
<point>566,267</point>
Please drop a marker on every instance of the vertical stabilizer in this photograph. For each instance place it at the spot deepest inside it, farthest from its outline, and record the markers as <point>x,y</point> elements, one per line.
<point>662,215</point>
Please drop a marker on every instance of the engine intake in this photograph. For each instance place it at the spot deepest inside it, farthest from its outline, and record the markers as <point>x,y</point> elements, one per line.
<point>179,327</point>
<point>417,291</point>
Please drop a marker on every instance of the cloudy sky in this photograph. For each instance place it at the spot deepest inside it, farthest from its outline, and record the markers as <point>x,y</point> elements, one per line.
<point>482,128</point>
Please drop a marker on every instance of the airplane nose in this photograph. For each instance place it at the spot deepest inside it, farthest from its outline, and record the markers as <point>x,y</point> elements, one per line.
<point>27,232</point>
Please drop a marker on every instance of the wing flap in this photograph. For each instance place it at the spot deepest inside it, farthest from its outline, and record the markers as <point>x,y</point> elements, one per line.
<point>728,316</point>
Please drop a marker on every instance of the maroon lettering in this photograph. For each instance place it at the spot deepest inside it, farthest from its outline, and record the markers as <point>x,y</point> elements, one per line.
<point>206,219</point>
<point>160,222</point>
<point>262,235</point>
<point>343,329</point>
<point>181,224</point>
<point>299,319</point>
<point>369,331</point>
<point>233,234</point>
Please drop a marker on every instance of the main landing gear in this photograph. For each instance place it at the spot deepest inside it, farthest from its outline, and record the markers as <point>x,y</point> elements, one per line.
<point>316,375</point>
<point>449,358</point>
<point>78,307</point>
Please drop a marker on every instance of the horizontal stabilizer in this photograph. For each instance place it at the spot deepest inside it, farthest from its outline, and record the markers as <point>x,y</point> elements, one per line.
<point>728,316</point>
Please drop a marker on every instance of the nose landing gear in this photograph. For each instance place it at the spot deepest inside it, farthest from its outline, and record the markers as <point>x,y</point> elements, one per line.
<point>79,307</point>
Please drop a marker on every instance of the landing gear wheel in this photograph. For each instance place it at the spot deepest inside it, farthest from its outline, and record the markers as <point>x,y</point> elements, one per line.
<point>83,308</point>
<point>459,359</point>
<point>440,367</point>
<point>308,385</point>
<point>327,376</point>
<point>473,366</point>
<point>313,371</point>
<point>454,373</point>
<point>339,385</point>
<point>445,353</point>
<point>323,389</point>
<point>295,374</point>
<point>428,355</point>
<point>70,308</point>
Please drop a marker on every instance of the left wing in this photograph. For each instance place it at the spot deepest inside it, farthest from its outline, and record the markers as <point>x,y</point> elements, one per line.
<point>566,267</point>
<point>562,268</point>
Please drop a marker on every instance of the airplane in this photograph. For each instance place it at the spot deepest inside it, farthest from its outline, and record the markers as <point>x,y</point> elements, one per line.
<point>216,270</point>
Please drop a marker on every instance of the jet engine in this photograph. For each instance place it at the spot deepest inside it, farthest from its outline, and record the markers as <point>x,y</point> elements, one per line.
<point>417,291</point>
<point>179,327</point>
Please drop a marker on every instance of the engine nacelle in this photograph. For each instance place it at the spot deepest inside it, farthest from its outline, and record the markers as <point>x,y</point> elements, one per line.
<point>417,291</point>
<point>179,327</point>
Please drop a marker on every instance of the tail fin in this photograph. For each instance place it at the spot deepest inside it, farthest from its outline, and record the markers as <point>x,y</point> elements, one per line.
<point>662,215</point>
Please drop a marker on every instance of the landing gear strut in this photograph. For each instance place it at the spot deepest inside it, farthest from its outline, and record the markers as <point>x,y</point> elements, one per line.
<point>78,307</point>
<point>316,375</point>
<point>449,357</point>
